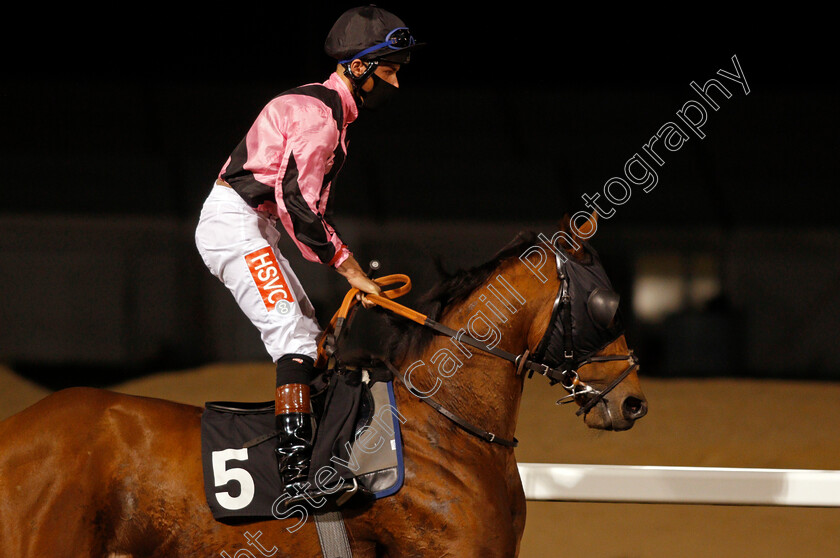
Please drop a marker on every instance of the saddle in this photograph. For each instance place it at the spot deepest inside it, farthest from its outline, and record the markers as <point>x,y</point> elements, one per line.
<point>357,452</point>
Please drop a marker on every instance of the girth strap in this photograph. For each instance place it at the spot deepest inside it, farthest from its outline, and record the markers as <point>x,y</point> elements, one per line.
<point>332,535</point>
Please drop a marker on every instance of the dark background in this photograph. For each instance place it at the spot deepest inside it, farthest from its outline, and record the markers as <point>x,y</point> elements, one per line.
<point>115,125</point>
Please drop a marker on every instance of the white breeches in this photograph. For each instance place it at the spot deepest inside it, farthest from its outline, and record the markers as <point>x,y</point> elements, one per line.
<point>239,246</point>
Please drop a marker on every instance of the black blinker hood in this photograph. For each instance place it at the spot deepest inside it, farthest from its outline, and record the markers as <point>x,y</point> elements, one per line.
<point>592,309</point>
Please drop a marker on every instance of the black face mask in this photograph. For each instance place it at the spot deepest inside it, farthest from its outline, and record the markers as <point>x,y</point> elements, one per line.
<point>381,93</point>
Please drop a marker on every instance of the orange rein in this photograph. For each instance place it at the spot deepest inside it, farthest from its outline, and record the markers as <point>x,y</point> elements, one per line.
<point>384,300</point>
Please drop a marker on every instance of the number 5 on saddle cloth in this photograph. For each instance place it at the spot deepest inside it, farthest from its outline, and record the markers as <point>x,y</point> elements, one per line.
<point>356,458</point>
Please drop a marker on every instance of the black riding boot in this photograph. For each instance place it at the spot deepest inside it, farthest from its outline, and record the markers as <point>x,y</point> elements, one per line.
<point>292,415</point>
<point>294,446</point>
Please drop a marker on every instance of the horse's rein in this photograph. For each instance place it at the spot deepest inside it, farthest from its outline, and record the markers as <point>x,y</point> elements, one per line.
<point>385,301</point>
<point>568,378</point>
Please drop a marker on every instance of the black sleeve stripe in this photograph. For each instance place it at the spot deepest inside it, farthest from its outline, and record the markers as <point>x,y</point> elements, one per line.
<point>243,181</point>
<point>309,227</point>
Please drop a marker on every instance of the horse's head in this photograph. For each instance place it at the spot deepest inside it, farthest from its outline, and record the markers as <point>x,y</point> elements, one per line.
<point>581,337</point>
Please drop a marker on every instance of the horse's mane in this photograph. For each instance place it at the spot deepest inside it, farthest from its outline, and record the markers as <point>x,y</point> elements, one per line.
<point>409,337</point>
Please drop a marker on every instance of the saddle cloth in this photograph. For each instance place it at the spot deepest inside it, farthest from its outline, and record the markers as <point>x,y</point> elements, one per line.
<point>357,440</point>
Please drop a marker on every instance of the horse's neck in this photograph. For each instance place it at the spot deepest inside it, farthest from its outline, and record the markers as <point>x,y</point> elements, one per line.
<point>482,388</point>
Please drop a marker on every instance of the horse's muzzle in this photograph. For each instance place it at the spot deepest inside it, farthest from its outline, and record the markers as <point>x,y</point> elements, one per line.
<point>618,416</point>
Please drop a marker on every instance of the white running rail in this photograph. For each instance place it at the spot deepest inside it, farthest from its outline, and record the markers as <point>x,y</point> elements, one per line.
<point>680,485</point>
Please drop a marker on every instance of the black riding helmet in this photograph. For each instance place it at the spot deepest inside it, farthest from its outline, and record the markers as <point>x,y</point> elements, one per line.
<point>371,34</point>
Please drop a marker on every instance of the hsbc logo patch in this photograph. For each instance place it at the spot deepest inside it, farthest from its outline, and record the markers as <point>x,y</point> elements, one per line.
<point>269,279</point>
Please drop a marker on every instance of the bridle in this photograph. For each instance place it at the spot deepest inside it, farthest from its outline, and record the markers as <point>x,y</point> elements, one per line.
<point>565,373</point>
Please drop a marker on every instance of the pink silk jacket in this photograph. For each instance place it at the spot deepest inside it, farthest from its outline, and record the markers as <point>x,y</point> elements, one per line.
<point>287,163</point>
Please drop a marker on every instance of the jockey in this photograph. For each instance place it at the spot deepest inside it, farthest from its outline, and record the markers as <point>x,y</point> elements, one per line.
<point>280,177</point>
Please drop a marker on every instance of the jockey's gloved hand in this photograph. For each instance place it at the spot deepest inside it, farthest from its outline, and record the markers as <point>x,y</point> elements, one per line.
<point>352,271</point>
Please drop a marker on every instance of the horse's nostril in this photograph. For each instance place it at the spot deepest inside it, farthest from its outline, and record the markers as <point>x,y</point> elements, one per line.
<point>634,408</point>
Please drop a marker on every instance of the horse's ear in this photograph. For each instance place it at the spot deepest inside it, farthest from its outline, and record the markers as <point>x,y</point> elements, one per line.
<point>566,227</point>
<point>566,223</point>
<point>588,228</point>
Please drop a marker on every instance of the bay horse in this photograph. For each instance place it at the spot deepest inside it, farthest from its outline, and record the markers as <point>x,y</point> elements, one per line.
<point>93,473</point>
